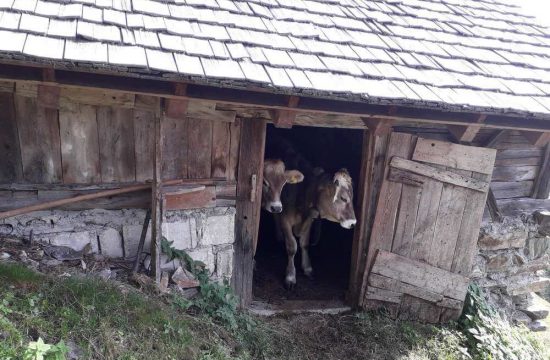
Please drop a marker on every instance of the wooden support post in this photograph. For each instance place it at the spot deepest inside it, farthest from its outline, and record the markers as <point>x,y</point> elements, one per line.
<point>542,184</point>
<point>156,198</point>
<point>375,141</point>
<point>492,206</point>
<point>142,240</point>
<point>378,127</point>
<point>250,177</point>
<point>537,138</point>
<point>285,118</point>
<point>464,134</point>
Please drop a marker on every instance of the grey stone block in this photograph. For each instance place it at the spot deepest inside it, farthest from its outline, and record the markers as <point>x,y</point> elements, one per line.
<point>224,263</point>
<point>110,242</point>
<point>182,233</point>
<point>131,235</point>
<point>74,240</point>
<point>218,230</point>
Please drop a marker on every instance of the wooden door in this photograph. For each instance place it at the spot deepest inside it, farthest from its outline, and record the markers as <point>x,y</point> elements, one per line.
<point>249,192</point>
<point>425,231</point>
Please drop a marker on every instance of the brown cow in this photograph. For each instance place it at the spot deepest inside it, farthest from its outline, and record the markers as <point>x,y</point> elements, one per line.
<point>324,196</point>
<point>275,178</point>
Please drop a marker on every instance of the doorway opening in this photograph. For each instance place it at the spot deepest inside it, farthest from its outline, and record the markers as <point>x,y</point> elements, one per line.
<point>331,245</point>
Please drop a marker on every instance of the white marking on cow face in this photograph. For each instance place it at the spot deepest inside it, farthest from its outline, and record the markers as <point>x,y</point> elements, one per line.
<point>348,224</point>
<point>339,206</point>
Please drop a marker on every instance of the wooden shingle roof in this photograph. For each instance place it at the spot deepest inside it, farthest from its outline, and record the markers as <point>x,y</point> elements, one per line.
<point>455,54</point>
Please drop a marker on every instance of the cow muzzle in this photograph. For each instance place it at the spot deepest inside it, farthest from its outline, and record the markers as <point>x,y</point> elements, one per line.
<point>348,224</point>
<point>274,207</point>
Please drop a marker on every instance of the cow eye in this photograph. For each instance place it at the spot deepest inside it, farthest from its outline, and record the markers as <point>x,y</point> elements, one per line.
<point>343,199</point>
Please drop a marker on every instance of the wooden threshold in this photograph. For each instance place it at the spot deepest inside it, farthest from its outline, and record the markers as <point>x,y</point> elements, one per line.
<point>263,98</point>
<point>299,307</point>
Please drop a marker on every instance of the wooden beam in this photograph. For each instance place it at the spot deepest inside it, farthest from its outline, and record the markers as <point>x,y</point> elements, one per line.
<point>463,133</point>
<point>492,206</point>
<point>542,183</point>
<point>48,96</point>
<point>537,138</point>
<point>156,199</point>
<point>177,108</point>
<point>378,127</point>
<point>285,118</point>
<point>151,85</point>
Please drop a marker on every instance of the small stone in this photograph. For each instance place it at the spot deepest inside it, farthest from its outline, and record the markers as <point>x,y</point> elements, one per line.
<point>518,317</point>
<point>38,254</point>
<point>542,218</point>
<point>105,274</point>
<point>537,326</point>
<point>525,284</point>
<point>498,263</point>
<point>4,256</point>
<point>536,307</point>
<point>184,279</point>
<point>51,262</point>
<point>32,263</point>
<point>164,278</point>
<point>187,293</point>
<point>22,254</point>
<point>510,233</point>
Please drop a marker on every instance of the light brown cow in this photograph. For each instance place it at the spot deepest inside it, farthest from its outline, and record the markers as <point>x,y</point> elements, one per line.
<point>275,178</point>
<point>323,196</point>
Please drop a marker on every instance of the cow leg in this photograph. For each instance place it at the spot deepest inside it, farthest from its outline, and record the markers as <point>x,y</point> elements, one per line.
<point>304,245</point>
<point>291,247</point>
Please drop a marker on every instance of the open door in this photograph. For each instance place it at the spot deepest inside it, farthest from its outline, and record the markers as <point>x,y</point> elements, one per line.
<point>426,226</point>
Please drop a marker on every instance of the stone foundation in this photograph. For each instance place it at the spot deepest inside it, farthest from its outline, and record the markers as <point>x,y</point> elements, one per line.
<point>513,263</point>
<point>206,234</point>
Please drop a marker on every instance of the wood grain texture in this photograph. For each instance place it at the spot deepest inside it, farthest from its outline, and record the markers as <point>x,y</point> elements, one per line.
<point>79,144</point>
<point>199,150</point>
<point>69,96</point>
<point>39,141</point>
<point>221,148</point>
<point>513,189</point>
<point>456,156</point>
<point>251,159</point>
<point>235,134</point>
<point>174,150</point>
<point>144,139</point>
<point>516,173</point>
<point>515,207</point>
<point>10,162</point>
<point>542,185</point>
<point>205,198</point>
<point>116,144</point>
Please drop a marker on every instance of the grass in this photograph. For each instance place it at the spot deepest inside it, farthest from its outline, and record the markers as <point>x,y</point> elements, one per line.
<point>107,320</point>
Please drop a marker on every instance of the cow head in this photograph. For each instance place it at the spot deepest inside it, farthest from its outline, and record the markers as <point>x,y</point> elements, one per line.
<point>335,200</point>
<point>275,177</point>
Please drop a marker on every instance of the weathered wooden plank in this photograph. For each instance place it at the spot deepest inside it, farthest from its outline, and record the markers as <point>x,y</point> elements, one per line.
<point>406,177</point>
<point>513,189</point>
<point>221,146</point>
<point>68,96</point>
<point>7,86</point>
<point>199,151</point>
<point>454,155</point>
<point>464,133</point>
<point>39,141</point>
<point>492,207</point>
<point>48,96</point>
<point>205,198</point>
<point>533,161</point>
<point>514,207</point>
<point>406,220</point>
<point>251,152</point>
<point>144,139</point>
<point>383,282</point>
<point>374,293</point>
<point>413,308</point>
<point>447,226</point>
<point>79,144</point>
<point>156,196</point>
<point>116,144</point>
<point>10,161</point>
<point>175,140</point>
<point>147,103</point>
<point>235,134</point>
<point>420,274</point>
<point>542,184</point>
<point>451,303</point>
<point>519,153</point>
<point>537,138</point>
<point>440,175</point>
<point>516,173</point>
<point>207,111</point>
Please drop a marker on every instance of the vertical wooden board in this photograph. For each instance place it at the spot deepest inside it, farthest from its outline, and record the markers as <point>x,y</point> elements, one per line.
<point>541,189</point>
<point>199,150</point>
<point>156,197</point>
<point>235,134</point>
<point>221,144</point>
<point>116,144</point>
<point>144,139</point>
<point>426,219</point>
<point>10,161</point>
<point>466,246</point>
<point>413,308</point>
<point>251,154</point>
<point>174,148</point>
<point>403,240</point>
<point>79,144</point>
<point>38,129</point>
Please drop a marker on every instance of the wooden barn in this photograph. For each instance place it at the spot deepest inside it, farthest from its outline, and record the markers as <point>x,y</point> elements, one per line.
<point>112,107</point>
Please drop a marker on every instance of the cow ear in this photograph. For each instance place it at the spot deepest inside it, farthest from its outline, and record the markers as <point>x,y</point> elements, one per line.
<point>294,176</point>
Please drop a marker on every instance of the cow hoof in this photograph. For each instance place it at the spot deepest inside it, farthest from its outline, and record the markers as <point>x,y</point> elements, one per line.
<point>309,273</point>
<point>290,285</point>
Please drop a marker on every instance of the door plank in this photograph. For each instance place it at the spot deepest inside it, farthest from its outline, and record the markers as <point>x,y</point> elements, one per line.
<point>174,148</point>
<point>456,156</point>
<point>440,175</point>
<point>221,144</point>
<point>116,144</point>
<point>406,220</point>
<point>79,144</point>
<point>199,151</point>
<point>235,134</point>
<point>144,139</point>
<point>39,140</point>
<point>10,161</point>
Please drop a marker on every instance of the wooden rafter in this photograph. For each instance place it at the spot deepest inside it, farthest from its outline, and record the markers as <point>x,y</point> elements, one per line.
<point>463,133</point>
<point>537,138</point>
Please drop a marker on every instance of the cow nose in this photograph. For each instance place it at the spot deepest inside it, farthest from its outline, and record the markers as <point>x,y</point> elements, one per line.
<point>276,208</point>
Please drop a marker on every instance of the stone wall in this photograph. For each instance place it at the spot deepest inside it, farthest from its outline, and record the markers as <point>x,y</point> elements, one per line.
<point>206,234</point>
<point>513,262</point>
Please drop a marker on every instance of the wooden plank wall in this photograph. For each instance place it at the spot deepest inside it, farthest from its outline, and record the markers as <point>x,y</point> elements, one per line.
<point>92,139</point>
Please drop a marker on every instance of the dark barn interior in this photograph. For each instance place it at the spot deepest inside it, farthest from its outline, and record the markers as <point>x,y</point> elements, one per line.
<point>331,149</point>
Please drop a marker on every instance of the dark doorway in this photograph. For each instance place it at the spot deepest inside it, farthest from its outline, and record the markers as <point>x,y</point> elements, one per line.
<point>331,149</point>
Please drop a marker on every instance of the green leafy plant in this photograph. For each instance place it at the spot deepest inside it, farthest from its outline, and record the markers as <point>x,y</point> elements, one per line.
<point>488,336</point>
<point>39,350</point>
